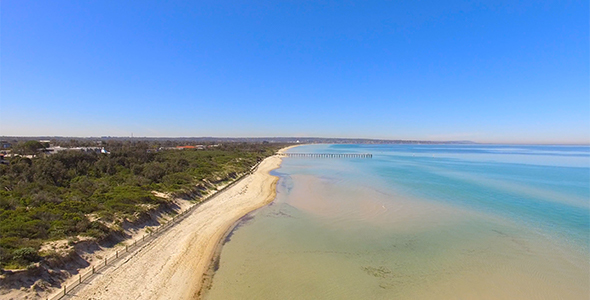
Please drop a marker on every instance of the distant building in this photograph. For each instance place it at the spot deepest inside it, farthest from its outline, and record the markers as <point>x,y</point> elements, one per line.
<point>198,147</point>
<point>53,150</point>
<point>5,144</point>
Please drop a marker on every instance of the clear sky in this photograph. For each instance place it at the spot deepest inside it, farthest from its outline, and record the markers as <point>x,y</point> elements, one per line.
<point>486,71</point>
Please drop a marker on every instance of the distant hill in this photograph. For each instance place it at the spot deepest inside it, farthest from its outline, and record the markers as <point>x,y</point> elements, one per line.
<point>302,140</point>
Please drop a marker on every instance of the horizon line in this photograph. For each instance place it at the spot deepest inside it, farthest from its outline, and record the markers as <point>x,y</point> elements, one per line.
<point>298,137</point>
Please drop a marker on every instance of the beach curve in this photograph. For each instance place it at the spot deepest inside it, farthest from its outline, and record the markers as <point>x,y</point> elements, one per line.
<point>174,265</point>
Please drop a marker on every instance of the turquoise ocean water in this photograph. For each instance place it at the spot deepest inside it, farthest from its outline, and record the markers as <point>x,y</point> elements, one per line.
<point>418,222</point>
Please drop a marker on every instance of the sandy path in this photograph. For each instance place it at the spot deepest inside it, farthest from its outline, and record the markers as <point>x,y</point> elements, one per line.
<point>172,266</point>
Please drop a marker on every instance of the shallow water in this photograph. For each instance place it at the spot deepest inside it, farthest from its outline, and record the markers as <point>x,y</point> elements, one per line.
<point>418,222</point>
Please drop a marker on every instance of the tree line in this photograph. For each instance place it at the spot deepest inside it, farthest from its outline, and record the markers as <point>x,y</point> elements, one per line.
<point>74,193</point>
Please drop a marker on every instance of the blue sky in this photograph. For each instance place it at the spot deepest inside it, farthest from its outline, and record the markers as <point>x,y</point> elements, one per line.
<point>486,71</point>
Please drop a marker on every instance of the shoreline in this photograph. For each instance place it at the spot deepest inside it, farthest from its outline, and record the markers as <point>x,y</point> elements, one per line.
<point>213,266</point>
<point>216,241</point>
<point>208,275</point>
<point>176,265</point>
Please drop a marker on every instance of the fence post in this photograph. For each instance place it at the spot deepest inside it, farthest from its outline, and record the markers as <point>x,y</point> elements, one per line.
<point>105,261</point>
<point>80,278</point>
<point>92,269</point>
<point>126,249</point>
<point>64,289</point>
<point>143,237</point>
<point>117,254</point>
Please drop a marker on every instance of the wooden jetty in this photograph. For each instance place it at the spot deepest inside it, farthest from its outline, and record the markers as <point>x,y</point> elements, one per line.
<point>327,155</point>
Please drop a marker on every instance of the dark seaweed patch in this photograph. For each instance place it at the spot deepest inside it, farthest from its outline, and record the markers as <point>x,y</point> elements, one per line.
<point>241,222</point>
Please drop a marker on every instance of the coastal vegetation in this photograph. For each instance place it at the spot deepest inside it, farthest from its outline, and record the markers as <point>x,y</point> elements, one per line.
<point>74,194</point>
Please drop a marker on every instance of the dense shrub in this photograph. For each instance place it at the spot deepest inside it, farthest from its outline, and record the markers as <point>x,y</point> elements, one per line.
<point>74,193</point>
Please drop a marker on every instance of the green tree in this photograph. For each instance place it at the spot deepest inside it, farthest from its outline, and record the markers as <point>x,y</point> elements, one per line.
<point>30,147</point>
